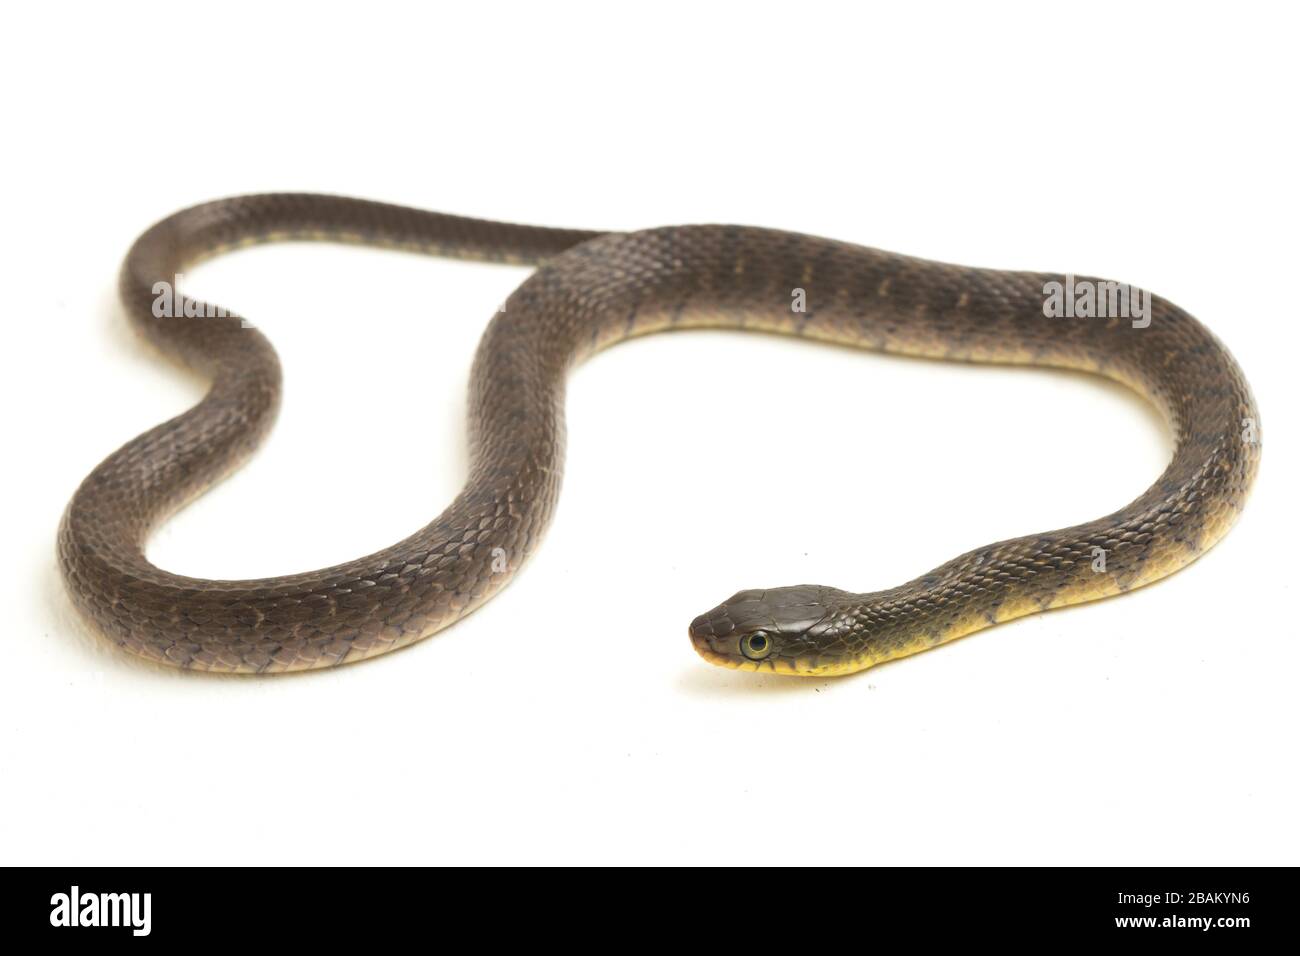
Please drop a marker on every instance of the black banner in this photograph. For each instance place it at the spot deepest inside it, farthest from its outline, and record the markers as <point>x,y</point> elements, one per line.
<point>137,907</point>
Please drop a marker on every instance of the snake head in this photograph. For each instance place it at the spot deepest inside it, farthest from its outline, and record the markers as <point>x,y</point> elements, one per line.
<point>785,630</point>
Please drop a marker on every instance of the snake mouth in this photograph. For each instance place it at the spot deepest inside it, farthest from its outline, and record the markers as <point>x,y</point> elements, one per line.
<point>714,638</point>
<point>706,651</point>
<point>718,650</point>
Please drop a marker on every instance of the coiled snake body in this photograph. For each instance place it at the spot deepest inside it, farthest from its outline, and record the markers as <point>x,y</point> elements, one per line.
<point>589,291</point>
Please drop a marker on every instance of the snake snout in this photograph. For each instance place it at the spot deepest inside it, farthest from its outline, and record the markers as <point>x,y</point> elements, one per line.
<point>709,632</point>
<point>715,623</point>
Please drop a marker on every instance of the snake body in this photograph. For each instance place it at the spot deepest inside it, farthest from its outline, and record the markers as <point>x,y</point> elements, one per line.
<point>589,291</point>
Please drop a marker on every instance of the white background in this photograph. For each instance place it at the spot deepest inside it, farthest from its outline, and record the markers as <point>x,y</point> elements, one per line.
<point>569,720</point>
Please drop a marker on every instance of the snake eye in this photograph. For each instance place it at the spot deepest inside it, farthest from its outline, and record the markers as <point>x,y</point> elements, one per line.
<point>756,646</point>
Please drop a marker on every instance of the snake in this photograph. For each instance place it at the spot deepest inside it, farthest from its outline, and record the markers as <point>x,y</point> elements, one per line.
<point>590,290</point>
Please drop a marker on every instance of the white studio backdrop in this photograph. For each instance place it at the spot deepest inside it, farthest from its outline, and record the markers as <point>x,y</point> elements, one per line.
<point>569,720</point>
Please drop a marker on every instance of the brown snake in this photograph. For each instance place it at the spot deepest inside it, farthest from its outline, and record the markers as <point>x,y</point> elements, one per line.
<point>591,290</point>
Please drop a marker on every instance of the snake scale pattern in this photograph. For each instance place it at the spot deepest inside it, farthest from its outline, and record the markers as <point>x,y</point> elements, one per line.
<point>589,291</point>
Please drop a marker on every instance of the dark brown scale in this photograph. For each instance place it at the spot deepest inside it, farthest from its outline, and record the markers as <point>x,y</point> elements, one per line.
<point>592,290</point>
